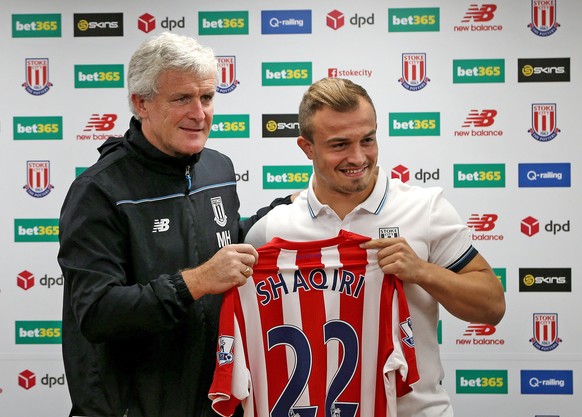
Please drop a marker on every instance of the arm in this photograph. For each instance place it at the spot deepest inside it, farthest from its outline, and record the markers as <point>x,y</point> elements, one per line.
<point>472,294</point>
<point>106,296</point>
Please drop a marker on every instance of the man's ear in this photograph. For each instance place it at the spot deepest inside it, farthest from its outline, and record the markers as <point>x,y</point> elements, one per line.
<point>306,146</point>
<point>139,105</point>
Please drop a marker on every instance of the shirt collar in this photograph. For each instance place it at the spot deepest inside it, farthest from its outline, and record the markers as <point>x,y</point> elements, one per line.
<point>373,204</point>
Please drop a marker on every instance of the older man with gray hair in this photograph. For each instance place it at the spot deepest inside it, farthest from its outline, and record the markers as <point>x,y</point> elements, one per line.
<point>149,240</point>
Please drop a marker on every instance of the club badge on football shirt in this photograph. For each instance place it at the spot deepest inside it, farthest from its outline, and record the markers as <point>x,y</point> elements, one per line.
<point>384,232</point>
<point>218,209</point>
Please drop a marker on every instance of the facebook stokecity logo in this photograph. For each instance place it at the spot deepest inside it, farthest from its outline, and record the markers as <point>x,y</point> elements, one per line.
<point>544,175</point>
<point>348,73</point>
<point>479,119</point>
<point>476,15</point>
<point>285,22</point>
<point>547,382</point>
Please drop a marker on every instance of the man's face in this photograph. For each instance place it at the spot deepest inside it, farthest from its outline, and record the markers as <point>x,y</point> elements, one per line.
<point>344,153</point>
<point>177,120</point>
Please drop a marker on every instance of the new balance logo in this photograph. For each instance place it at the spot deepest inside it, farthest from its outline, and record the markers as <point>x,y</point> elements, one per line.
<point>474,329</point>
<point>101,123</point>
<point>483,118</point>
<point>479,14</point>
<point>483,223</point>
<point>161,225</point>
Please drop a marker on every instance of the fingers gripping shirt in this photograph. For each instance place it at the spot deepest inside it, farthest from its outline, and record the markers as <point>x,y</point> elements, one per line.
<point>318,330</point>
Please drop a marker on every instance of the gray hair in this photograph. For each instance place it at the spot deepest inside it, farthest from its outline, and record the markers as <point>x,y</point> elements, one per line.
<point>167,51</point>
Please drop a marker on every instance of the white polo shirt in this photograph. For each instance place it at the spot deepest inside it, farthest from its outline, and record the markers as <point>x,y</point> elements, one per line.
<point>434,230</point>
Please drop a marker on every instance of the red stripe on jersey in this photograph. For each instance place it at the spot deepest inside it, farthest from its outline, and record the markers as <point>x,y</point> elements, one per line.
<point>323,337</point>
<point>271,313</point>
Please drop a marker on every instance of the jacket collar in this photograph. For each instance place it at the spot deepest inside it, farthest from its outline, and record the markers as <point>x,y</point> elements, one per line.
<point>138,146</point>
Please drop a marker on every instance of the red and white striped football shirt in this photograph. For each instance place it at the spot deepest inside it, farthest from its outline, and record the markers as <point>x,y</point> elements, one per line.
<point>317,331</point>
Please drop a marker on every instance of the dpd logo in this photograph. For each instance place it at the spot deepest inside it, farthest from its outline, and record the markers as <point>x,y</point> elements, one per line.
<point>531,226</point>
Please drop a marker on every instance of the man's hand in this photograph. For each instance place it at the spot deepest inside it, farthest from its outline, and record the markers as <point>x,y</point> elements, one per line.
<point>396,257</point>
<point>229,267</point>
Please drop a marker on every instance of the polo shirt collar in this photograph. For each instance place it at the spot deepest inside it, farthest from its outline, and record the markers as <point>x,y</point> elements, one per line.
<point>372,204</point>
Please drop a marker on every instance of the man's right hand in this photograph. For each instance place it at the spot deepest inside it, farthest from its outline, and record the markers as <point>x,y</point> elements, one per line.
<point>229,267</point>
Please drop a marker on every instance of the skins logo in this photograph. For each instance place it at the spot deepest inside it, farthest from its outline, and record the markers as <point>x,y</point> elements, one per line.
<point>37,76</point>
<point>414,71</point>
<point>38,178</point>
<point>543,17</point>
<point>226,74</point>
<point>225,346</point>
<point>545,331</point>
<point>543,117</point>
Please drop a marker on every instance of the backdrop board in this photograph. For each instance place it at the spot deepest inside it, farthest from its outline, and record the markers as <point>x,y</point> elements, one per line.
<point>481,99</point>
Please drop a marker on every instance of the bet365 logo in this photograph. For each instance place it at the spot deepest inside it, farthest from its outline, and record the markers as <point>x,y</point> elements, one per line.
<point>478,71</point>
<point>286,73</point>
<point>481,381</point>
<point>286,177</point>
<point>425,19</point>
<point>479,175</point>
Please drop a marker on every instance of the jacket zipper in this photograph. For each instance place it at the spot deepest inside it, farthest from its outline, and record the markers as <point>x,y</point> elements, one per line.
<point>188,179</point>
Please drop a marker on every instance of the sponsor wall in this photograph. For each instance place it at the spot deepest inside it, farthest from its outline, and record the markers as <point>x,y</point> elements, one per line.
<point>480,99</point>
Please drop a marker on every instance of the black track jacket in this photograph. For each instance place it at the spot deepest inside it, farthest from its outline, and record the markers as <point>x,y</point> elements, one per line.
<point>135,342</point>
